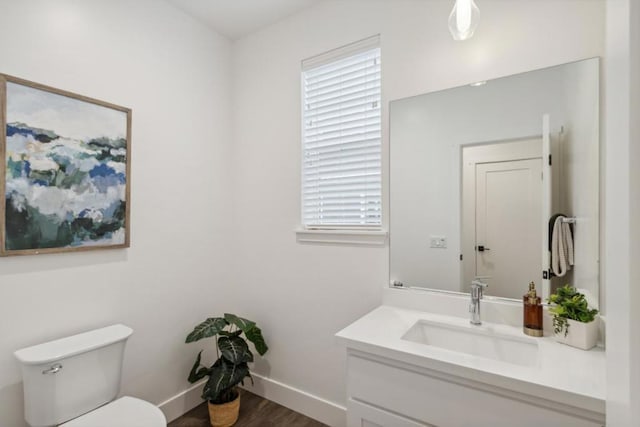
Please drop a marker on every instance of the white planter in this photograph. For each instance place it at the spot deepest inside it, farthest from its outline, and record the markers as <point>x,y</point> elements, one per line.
<point>580,335</point>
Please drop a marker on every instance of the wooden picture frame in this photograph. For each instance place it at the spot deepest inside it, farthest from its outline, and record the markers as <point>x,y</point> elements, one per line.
<point>65,171</point>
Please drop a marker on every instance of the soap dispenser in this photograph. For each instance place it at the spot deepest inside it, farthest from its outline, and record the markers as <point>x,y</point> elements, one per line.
<point>532,324</point>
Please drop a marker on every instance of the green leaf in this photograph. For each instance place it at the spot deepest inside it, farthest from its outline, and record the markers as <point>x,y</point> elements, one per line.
<point>231,334</point>
<point>235,350</point>
<point>568,303</point>
<point>208,328</point>
<point>197,374</point>
<point>223,377</point>
<point>238,373</point>
<point>243,324</point>
<point>255,336</point>
<point>218,382</point>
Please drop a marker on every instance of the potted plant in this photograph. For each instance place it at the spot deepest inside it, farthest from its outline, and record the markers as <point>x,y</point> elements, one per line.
<point>231,366</point>
<point>574,323</point>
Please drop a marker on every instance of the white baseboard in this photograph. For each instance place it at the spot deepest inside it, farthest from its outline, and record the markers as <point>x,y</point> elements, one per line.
<point>297,400</point>
<point>300,401</point>
<point>182,402</point>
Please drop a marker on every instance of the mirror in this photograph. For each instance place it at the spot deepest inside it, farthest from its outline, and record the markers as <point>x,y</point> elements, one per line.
<point>477,172</point>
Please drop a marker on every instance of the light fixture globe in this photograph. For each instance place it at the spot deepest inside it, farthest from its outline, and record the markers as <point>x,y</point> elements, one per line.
<point>464,19</point>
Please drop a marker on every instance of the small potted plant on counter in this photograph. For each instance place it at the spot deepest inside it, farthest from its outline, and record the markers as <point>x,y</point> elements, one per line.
<point>574,323</point>
<point>231,367</point>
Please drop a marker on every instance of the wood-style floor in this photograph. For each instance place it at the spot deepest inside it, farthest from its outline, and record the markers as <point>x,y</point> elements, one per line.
<point>254,412</point>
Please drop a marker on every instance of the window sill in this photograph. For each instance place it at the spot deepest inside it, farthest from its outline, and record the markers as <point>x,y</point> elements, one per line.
<point>342,237</point>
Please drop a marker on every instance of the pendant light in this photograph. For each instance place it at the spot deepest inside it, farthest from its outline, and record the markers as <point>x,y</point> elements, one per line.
<point>464,19</point>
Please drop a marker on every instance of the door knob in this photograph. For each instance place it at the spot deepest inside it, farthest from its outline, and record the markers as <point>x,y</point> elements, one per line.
<point>481,248</point>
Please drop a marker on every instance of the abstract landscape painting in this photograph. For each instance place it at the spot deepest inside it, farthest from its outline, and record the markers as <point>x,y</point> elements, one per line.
<point>65,172</point>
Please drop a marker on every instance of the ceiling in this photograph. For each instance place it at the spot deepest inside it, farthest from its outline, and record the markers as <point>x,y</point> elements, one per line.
<point>237,18</point>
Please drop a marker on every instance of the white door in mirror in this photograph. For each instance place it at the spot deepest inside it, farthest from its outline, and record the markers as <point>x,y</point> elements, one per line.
<point>508,201</point>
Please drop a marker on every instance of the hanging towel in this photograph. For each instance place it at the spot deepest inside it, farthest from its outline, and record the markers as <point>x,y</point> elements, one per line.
<point>561,247</point>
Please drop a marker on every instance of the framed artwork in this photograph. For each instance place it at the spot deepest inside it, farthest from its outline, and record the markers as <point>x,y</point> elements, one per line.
<point>65,171</point>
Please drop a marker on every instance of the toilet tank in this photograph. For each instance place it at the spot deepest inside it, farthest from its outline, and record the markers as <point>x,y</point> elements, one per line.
<point>66,378</point>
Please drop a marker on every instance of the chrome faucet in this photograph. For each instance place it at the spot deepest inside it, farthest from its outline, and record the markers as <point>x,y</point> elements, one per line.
<point>477,287</point>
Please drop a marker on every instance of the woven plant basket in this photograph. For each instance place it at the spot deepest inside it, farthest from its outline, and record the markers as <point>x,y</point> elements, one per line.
<point>226,414</point>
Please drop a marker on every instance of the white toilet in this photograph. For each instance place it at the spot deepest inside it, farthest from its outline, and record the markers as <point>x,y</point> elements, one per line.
<point>73,381</point>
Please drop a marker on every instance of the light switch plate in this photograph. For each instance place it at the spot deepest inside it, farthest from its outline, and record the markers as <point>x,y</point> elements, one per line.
<point>438,242</point>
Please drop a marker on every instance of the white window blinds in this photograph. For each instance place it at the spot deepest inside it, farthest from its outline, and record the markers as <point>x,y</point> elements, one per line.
<point>341,170</point>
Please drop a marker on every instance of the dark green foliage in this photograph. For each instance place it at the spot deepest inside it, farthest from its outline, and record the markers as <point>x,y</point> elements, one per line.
<point>243,324</point>
<point>231,368</point>
<point>44,138</point>
<point>568,303</point>
<point>106,155</point>
<point>223,373</point>
<point>209,328</point>
<point>103,147</point>
<point>230,334</point>
<point>64,235</point>
<point>120,213</point>
<point>22,231</point>
<point>235,349</point>
<point>255,336</point>
<point>108,143</point>
<point>198,372</point>
<point>88,229</point>
<point>27,228</point>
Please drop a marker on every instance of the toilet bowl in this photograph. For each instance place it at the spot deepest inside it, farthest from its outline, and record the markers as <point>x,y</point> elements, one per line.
<point>74,381</point>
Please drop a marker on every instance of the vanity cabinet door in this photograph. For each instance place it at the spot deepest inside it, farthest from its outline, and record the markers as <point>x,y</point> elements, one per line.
<point>363,415</point>
<point>421,399</point>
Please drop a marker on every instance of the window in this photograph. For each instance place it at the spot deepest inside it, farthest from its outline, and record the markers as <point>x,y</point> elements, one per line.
<point>341,165</point>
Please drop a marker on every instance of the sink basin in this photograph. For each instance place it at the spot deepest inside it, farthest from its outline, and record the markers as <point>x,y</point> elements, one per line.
<point>481,341</point>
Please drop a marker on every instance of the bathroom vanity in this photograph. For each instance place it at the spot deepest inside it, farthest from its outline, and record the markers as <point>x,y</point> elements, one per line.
<point>476,174</point>
<point>409,368</point>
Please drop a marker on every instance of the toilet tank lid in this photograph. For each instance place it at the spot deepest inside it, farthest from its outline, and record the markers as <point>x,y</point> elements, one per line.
<point>53,351</point>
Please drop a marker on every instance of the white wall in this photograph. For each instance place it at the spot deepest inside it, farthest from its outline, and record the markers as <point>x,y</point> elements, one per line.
<point>302,293</point>
<point>623,212</point>
<point>175,75</point>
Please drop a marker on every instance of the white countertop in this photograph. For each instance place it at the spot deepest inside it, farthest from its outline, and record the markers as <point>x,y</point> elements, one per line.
<point>561,373</point>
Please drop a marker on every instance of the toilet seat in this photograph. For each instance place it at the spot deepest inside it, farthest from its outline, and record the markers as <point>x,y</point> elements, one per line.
<point>124,412</point>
